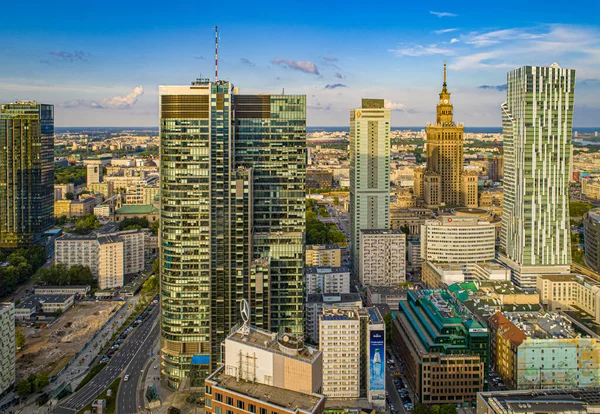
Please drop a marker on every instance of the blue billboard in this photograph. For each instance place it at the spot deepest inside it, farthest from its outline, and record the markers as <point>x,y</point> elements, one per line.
<point>376,360</point>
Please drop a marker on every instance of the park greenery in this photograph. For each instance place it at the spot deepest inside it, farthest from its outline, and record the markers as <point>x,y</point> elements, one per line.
<point>74,174</point>
<point>58,274</point>
<point>435,409</point>
<point>18,267</point>
<point>20,338</point>
<point>318,232</point>
<point>131,223</point>
<point>86,224</point>
<point>579,208</point>
<point>34,383</point>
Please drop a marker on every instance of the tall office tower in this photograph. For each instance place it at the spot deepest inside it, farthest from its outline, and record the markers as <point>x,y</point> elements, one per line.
<point>232,219</point>
<point>94,171</point>
<point>445,158</point>
<point>26,172</point>
<point>369,171</point>
<point>537,119</point>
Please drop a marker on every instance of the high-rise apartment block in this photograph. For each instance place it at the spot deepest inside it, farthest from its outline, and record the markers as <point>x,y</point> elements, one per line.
<point>455,239</point>
<point>327,280</point>
<point>353,345</point>
<point>232,219</point>
<point>369,171</point>
<point>537,120</point>
<point>7,347</point>
<point>316,302</point>
<point>382,257</point>
<point>95,171</point>
<point>591,226</point>
<point>442,179</point>
<point>323,255</point>
<point>444,350</point>
<point>532,351</point>
<point>26,172</point>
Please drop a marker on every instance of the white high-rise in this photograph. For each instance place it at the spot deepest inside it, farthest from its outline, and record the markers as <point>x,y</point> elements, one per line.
<point>382,257</point>
<point>537,121</point>
<point>7,346</point>
<point>369,171</point>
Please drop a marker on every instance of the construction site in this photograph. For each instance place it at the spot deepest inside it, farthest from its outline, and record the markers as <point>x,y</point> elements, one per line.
<point>49,348</point>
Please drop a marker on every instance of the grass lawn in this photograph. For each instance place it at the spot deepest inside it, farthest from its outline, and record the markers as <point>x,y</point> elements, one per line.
<point>111,402</point>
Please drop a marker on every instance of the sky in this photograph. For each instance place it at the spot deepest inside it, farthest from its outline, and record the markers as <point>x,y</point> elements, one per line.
<point>100,63</point>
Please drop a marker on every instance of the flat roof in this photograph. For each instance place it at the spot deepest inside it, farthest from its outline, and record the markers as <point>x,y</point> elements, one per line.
<point>271,342</point>
<point>326,269</point>
<point>381,231</point>
<point>137,209</point>
<point>290,400</point>
<point>322,246</point>
<point>63,287</point>
<point>534,325</point>
<point>547,400</point>
<point>35,300</point>
<point>333,298</point>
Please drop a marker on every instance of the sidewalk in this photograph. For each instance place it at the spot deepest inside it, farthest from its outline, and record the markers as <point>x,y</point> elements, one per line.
<point>152,377</point>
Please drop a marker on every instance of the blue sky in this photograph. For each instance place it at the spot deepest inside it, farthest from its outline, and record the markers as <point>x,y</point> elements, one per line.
<point>101,63</point>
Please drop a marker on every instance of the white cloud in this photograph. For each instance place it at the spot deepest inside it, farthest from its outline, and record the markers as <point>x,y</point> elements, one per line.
<point>306,67</point>
<point>116,102</point>
<point>442,31</point>
<point>394,106</point>
<point>443,14</point>
<point>420,50</point>
<point>498,36</point>
<point>454,40</point>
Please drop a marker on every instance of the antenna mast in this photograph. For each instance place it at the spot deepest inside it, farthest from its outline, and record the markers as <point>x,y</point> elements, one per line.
<point>216,53</point>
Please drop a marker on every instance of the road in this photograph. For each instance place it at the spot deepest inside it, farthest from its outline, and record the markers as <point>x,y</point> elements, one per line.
<point>141,338</point>
<point>127,397</point>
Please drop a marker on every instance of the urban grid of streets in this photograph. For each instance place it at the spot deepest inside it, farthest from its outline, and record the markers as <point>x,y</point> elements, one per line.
<point>129,360</point>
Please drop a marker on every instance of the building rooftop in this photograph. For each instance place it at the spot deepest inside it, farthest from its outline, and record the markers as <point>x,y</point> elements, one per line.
<point>322,246</point>
<point>335,314</point>
<point>290,400</point>
<point>63,287</point>
<point>109,239</point>
<point>73,236</point>
<point>323,269</point>
<point>387,290</point>
<point>284,344</point>
<point>381,231</point>
<point>137,209</point>
<point>36,300</point>
<point>594,215</point>
<point>337,298</point>
<point>558,277</point>
<point>547,401</point>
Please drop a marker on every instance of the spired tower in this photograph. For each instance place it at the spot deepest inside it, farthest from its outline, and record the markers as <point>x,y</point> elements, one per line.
<point>442,179</point>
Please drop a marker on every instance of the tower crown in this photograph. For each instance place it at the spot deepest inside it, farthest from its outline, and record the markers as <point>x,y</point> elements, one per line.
<point>444,108</point>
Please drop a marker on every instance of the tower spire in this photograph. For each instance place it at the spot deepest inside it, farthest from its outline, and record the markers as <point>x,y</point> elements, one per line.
<point>444,90</point>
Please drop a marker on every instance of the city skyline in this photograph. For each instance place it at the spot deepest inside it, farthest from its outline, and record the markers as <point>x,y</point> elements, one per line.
<point>101,68</point>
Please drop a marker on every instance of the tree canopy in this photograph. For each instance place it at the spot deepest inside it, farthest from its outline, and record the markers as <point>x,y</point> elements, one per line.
<point>134,223</point>
<point>22,264</point>
<point>319,233</point>
<point>579,208</point>
<point>87,224</point>
<point>58,274</point>
<point>75,174</point>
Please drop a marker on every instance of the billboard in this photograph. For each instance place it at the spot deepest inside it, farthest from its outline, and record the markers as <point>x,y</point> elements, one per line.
<point>377,360</point>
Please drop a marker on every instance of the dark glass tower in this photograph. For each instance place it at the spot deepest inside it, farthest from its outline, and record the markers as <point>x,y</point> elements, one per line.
<point>232,219</point>
<point>26,172</point>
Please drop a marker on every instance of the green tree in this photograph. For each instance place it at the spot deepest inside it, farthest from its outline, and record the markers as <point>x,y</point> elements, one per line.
<point>87,224</point>
<point>154,226</point>
<point>76,174</point>
<point>448,409</point>
<point>41,381</point>
<point>336,201</point>
<point>20,338</point>
<point>142,222</point>
<point>579,208</point>
<point>156,266</point>
<point>23,388</point>
<point>421,409</point>
<point>151,285</point>
<point>405,229</point>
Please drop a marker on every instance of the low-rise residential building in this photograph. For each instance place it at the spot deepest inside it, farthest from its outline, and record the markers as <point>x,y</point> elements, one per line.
<point>81,207</point>
<point>564,292</point>
<point>61,190</point>
<point>456,239</point>
<point>547,401</point>
<point>106,189</point>
<point>76,290</point>
<point>534,350</point>
<point>62,208</point>
<point>590,188</point>
<point>315,303</point>
<point>323,255</point>
<point>327,280</point>
<point>383,295</point>
<point>44,304</point>
<point>444,349</point>
<point>437,275</point>
<point>591,228</point>
<point>382,259</point>
<point>265,373</point>
<point>7,347</point>
<point>411,218</point>
<point>103,211</point>
<point>353,345</point>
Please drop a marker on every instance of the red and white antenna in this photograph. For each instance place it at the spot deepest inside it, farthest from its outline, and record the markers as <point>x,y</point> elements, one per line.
<point>216,53</point>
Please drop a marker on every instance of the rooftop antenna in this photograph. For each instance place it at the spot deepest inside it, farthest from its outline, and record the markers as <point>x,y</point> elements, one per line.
<point>216,54</point>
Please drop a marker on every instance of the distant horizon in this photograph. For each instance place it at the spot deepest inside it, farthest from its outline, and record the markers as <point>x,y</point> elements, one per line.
<point>312,126</point>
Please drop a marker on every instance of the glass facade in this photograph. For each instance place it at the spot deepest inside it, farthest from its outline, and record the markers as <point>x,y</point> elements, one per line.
<point>232,219</point>
<point>26,172</point>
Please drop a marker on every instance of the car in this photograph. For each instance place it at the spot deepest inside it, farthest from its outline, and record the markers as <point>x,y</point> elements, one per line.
<point>126,378</point>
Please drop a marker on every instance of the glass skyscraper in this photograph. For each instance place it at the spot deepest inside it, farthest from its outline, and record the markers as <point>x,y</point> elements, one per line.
<point>232,219</point>
<point>537,121</point>
<point>26,172</point>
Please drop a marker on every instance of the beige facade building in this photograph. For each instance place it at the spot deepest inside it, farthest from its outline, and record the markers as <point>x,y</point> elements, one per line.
<point>590,188</point>
<point>323,255</point>
<point>456,239</point>
<point>106,189</point>
<point>61,190</point>
<point>327,280</point>
<point>437,275</point>
<point>445,158</point>
<point>94,171</point>
<point>418,185</point>
<point>7,347</point>
<point>563,292</point>
<point>62,208</point>
<point>80,208</point>
<point>469,188</point>
<point>110,262</point>
<point>382,257</point>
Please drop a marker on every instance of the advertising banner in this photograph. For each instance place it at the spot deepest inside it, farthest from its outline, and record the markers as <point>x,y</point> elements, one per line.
<point>377,360</point>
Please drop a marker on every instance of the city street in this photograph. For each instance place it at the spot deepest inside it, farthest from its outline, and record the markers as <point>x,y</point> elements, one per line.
<point>139,340</point>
